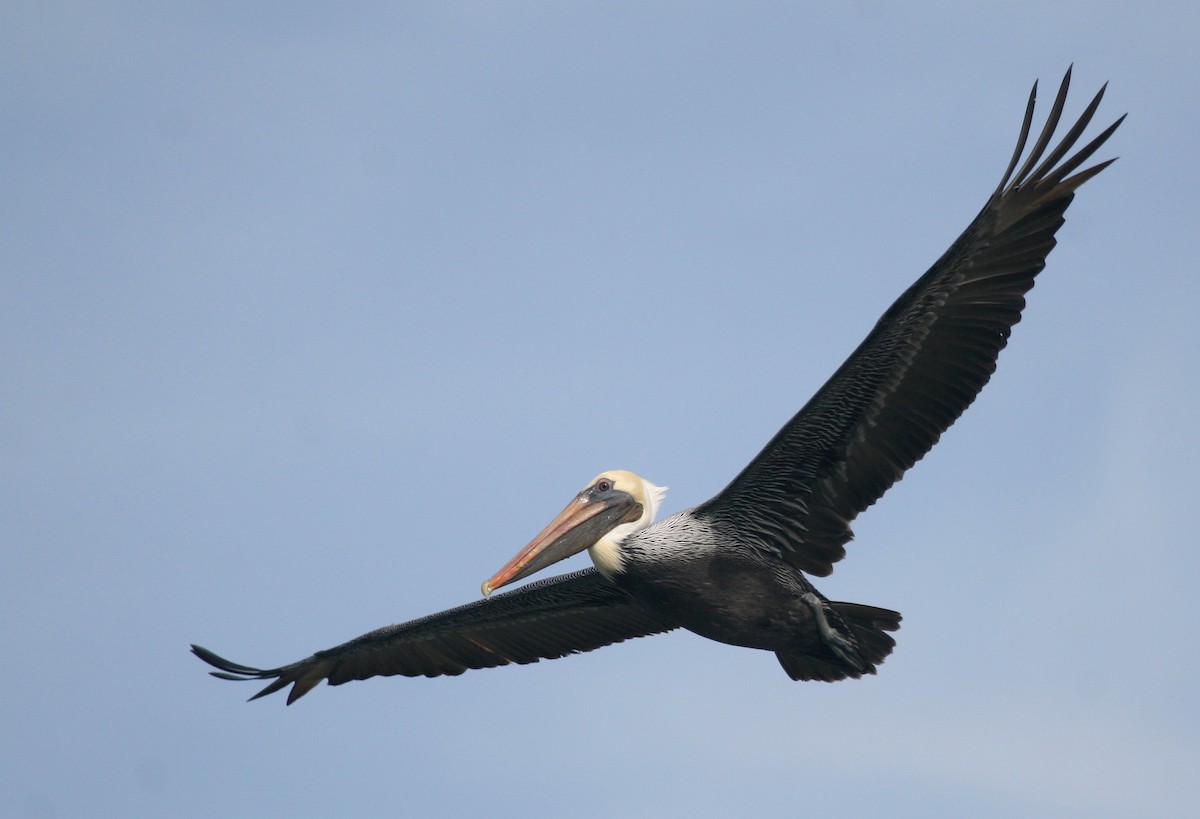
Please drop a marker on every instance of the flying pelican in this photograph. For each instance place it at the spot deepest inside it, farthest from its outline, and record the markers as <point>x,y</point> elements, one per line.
<point>734,568</point>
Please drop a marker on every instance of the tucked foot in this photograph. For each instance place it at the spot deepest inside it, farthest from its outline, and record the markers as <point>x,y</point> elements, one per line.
<point>845,648</point>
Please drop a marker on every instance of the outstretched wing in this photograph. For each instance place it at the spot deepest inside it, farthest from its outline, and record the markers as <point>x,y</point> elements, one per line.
<point>920,367</point>
<point>552,618</point>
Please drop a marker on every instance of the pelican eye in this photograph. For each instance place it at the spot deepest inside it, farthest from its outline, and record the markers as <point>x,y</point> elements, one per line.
<point>604,485</point>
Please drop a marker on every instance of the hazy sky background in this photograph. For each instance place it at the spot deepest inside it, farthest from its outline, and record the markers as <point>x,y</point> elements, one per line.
<point>312,315</point>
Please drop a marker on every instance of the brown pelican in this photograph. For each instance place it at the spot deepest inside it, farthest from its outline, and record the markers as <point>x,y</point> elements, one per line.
<point>734,568</point>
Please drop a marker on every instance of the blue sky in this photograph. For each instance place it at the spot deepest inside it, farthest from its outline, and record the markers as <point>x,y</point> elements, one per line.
<point>311,317</point>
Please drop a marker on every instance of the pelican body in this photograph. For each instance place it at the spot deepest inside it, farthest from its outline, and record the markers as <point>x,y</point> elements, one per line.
<point>735,569</point>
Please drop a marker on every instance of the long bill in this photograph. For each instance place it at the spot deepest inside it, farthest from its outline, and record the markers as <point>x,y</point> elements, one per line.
<point>586,519</point>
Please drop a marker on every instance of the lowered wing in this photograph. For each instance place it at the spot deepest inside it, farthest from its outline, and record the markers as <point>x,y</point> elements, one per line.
<point>551,618</point>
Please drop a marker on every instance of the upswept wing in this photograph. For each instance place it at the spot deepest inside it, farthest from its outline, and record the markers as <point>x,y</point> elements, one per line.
<point>919,368</point>
<point>552,618</point>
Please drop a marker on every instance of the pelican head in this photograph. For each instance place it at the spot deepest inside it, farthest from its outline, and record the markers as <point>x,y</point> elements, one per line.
<point>614,504</point>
